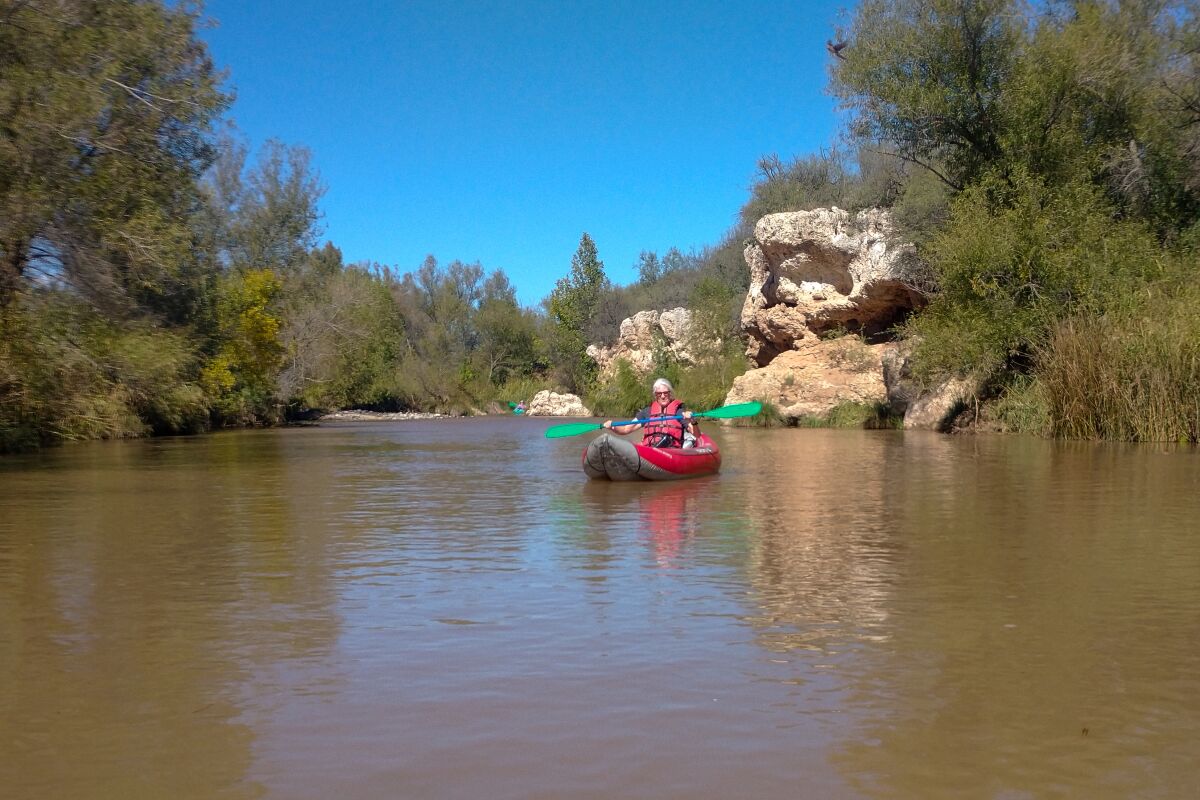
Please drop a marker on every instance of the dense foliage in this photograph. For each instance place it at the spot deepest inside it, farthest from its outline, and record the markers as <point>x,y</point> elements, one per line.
<point>155,278</point>
<point>1067,138</point>
<point>105,113</point>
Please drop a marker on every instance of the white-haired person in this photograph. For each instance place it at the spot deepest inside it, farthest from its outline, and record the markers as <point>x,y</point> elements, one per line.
<point>662,432</point>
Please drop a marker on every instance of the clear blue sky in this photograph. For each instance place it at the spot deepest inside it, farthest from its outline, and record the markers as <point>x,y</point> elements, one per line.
<point>500,131</point>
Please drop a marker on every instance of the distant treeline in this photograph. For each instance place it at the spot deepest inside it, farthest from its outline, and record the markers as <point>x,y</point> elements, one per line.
<point>154,278</point>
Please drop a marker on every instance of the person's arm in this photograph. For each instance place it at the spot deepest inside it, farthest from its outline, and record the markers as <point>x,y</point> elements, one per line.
<point>688,425</point>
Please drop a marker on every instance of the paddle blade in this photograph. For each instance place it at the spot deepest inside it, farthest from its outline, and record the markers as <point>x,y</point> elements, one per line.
<point>571,429</point>
<point>733,411</point>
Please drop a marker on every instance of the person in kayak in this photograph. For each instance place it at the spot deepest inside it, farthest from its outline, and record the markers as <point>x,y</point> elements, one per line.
<point>666,432</point>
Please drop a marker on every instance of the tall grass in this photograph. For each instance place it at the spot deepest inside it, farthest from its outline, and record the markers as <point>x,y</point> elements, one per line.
<point>1136,379</point>
<point>1021,406</point>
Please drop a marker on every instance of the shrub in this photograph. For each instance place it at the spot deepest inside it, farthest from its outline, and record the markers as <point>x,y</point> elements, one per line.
<point>67,374</point>
<point>853,415</point>
<point>624,395</point>
<point>1016,258</point>
<point>1134,379</point>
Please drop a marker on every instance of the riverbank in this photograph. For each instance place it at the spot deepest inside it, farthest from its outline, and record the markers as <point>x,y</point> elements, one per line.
<point>355,415</point>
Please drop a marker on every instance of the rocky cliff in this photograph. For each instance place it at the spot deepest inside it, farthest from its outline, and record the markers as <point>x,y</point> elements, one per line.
<point>827,289</point>
<point>813,273</point>
<point>644,334</point>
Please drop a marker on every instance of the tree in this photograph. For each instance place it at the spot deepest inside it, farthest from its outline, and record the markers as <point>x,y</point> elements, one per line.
<point>927,76</point>
<point>571,305</point>
<point>342,341</point>
<point>507,334</point>
<point>439,307</point>
<point>242,377</point>
<point>649,267</point>
<point>106,108</point>
<point>265,216</point>
<point>1082,90</point>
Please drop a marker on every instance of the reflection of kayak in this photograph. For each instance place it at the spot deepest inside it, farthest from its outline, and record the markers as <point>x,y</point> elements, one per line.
<point>610,457</point>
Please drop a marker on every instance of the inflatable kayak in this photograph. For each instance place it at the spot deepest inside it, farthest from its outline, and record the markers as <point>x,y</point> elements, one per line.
<point>610,457</point>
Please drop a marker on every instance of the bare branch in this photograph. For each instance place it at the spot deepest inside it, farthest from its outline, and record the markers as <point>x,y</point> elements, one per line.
<point>143,96</point>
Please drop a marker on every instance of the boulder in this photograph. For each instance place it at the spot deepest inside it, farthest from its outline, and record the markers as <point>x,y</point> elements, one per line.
<point>815,377</point>
<point>936,409</point>
<point>552,404</point>
<point>924,408</point>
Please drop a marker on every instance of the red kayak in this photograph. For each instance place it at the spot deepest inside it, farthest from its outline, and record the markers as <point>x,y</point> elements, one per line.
<point>609,457</point>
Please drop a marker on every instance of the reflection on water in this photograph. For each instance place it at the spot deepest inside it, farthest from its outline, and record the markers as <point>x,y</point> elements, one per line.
<point>449,609</point>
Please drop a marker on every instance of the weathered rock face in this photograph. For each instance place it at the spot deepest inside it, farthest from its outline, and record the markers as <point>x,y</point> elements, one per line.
<point>641,335</point>
<point>552,404</point>
<point>931,409</point>
<point>816,376</point>
<point>812,272</point>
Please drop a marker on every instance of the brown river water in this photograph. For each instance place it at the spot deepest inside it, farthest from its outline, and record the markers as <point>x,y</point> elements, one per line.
<point>449,609</point>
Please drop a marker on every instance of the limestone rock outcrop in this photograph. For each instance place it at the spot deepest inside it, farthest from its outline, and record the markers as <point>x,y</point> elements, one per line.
<point>929,408</point>
<point>552,404</point>
<point>814,272</point>
<point>641,335</point>
<point>815,275</point>
<point>815,377</point>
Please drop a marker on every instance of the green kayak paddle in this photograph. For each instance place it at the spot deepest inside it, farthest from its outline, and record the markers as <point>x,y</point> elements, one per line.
<point>724,412</point>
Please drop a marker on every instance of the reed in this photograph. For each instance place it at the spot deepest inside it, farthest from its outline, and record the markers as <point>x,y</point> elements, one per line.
<point>1134,379</point>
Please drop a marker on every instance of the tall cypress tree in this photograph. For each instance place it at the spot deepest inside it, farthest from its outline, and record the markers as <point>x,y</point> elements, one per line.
<point>572,305</point>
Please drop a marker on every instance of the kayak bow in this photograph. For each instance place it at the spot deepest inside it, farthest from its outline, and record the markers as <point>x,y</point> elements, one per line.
<point>610,457</point>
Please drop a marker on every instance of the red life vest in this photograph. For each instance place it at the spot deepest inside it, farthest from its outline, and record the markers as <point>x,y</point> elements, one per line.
<point>653,432</point>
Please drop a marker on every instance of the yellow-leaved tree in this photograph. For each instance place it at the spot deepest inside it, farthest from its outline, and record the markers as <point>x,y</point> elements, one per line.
<point>241,377</point>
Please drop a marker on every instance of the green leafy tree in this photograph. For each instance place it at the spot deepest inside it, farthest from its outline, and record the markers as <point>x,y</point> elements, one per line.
<point>571,306</point>
<point>342,343</point>
<point>507,347</point>
<point>264,215</point>
<point>106,108</point>
<point>649,268</point>
<point>1082,90</point>
<point>926,77</point>
<point>439,307</point>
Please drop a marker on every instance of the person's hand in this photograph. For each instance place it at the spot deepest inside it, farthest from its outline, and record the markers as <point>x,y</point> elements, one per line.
<point>607,424</point>
<point>687,415</point>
